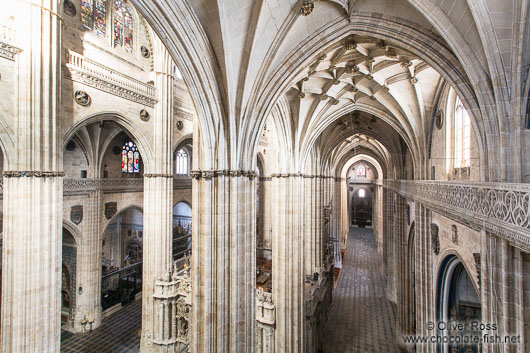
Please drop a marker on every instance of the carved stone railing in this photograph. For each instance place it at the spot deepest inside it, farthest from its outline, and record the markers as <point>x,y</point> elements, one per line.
<point>8,43</point>
<point>265,322</point>
<point>172,303</point>
<point>499,208</point>
<point>91,73</point>
<point>77,186</point>
<point>81,186</point>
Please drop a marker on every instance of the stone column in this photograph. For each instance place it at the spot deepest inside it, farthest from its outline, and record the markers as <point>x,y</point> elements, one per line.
<point>425,302</point>
<point>223,261</point>
<point>33,189</point>
<point>158,196</point>
<point>287,263</point>
<point>337,220</point>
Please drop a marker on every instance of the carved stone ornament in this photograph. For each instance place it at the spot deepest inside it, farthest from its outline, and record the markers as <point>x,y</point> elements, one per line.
<point>435,238</point>
<point>110,209</point>
<point>439,119</point>
<point>476,257</point>
<point>454,234</point>
<point>76,214</point>
<point>180,125</point>
<point>69,8</point>
<point>307,7</point>
<point>145,52</point>
<point>82,98</point>
<point>144,115</point>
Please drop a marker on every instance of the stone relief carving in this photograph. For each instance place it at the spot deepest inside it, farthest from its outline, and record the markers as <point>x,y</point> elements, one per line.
<point>110,209</point>
<point>265,322</point>
<point>180,125</point>
<point>144,115</point>
<point>172,301</point>
<point>435,239</point>
<point>82,98</point>
<point>145,52</point>
<point>76,214</point>
<point>69,8</point>
<point>439,119</point>
<point>454,234</point>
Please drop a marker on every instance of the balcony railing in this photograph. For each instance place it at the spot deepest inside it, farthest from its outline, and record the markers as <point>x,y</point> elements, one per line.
<point>500,208</point>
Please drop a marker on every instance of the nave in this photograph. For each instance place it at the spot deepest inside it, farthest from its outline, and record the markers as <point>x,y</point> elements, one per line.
<point>361,318</point>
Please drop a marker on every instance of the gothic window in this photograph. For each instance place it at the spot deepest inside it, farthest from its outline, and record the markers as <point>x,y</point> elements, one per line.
<point>181,163</point>
<point>93,15</point>
<point>362,193</point>
<point>87,13</point>
<point>123,26</point>
<point>462,136</point>
<point>361,171</point>
<point>130,158</point>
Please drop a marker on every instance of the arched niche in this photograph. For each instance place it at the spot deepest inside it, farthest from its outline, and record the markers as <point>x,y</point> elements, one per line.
<point>182,229</point>
<point>122,257</point>
<point>458,301</point>
<point>68,278</point>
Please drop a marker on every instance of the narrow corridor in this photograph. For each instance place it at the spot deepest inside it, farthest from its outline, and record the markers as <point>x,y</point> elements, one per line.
<point>361,319</point>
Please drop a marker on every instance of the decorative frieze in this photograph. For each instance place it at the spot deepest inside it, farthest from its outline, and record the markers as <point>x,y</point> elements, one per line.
<point>93,74</point>
<point>209,174</point>
<point>31,173</point>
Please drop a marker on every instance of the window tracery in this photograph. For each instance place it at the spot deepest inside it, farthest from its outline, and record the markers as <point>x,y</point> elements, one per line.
<point>361,171</point>
<point>462,136</point>
<point>123,26</point>
<point>181,163</point>
<point>130,158</point>
<point>93,15</point>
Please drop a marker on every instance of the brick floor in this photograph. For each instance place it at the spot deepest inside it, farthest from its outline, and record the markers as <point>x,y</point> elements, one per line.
<point>361,319</point>
<point>117,333</point>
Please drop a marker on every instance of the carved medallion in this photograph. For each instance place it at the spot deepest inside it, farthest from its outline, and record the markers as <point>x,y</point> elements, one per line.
<point>110,209</point>
<point>76,214</point>
<point>454,235</point>
<point>307,7</point>
<point>69,8</point>
<point>145,52</point>
<point>180,125</point>
<point>435,239</point>
<point>439,119</point>
<point>144,115</point>
<point>82,98</point>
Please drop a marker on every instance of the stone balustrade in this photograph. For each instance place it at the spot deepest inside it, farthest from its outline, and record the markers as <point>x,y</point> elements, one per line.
<point>498,208</point>
<point>91,73</point>
<point>265,322</point>
<point>172,303</point>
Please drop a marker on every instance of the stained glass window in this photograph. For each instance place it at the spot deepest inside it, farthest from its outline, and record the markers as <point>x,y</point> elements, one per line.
<point>462,146</point>
<point>100,14</point>
<point>123,26</point>
<point>130,158</point>
<point>87,13</point>
<point>361,171</point>
<point>181,163</point>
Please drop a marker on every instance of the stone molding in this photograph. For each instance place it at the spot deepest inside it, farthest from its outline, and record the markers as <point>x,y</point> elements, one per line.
<point>76,186</point>
<point>300,175</point>
<point>210,174</point>
<point>93,74</point>
<point>502,209</point>
<point>31,173</point>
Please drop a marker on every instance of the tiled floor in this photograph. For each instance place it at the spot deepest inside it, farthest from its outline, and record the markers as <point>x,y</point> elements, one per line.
<point>117,333</point>
<point>361,318</point>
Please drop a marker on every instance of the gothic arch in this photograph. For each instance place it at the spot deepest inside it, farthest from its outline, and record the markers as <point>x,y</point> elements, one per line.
<point>128,127</point>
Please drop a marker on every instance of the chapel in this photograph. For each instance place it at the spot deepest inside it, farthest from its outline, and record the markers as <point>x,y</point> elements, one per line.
<point>265,176</point>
